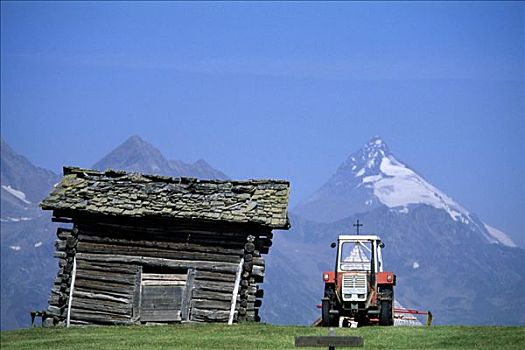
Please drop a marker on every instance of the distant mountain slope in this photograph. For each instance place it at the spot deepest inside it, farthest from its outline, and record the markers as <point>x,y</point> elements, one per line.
<point>200,169</point>
<point>137,155</point>
<point>28,266</point>
<point>23,185</point>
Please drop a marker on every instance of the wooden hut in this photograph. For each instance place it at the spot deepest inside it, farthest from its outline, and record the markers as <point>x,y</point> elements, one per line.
<point>146,248</point>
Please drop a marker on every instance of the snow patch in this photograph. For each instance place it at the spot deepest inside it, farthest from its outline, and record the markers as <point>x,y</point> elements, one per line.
<point>499,236</point>
<point>360,172</point>
<point>372,178</point>
<point>15,247</point>
<point>403,187</point>
<point>415,265</point>
<point>38,244</point>
<point>10,219</point>
<point>18,194</point>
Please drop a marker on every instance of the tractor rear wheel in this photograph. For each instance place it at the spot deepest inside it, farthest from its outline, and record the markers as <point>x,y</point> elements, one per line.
<point>386,313</point>
<point>386,318</point>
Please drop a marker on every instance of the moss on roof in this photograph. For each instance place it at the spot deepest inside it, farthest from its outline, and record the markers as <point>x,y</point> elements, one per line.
<point>110,192</point>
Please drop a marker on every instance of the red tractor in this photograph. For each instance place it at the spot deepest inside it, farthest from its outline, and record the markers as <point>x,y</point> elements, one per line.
<point>358,291</point>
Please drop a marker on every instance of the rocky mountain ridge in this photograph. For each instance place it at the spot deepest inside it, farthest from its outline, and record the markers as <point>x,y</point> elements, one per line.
<point>137,155</point>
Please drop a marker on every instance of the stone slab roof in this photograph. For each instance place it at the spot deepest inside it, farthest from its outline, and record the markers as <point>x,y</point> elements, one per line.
<point>119,193</point>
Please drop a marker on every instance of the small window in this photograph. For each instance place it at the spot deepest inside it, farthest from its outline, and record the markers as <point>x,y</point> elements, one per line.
<point>356,256</point>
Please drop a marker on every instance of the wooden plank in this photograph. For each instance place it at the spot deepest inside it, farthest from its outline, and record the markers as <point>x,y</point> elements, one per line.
<point>90,289</point>
<point>98,318</point>
<point>97,310</point>
<point>100,296</point>
<point>162,291</point>
<point>102,305</point>
<point>258,261</point>
<point>211,304</point>
<point>87,247</point>
<point>203,315</point>
<point>154,242</point>
<point>61,219</point>
<point>221,287</point>
<point>169,233</point>
<point>159,304</point>
<point>53,310</point>
<point>54,299</point>
<point>60,245</point>
<point>212,295</point>
<point>107,287</point>
<point>165,276</point>
<point>161,316</point>
<point>215,276</point>
<point>162,301</point>
<point>168,225</point>
<point>59,255</point>
<point>328,341</point>
<point>187,295</point>
<point>64,233</point>
<point>164,283</point>
<point>100,266</point>
<point>106,276</point>
<point>102,313</point>
<point>160,262</point>
<point>137,293</point>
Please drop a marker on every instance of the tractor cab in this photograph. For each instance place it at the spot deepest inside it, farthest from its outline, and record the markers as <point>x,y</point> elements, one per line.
<point>358,259</point>
<point>358,291</point>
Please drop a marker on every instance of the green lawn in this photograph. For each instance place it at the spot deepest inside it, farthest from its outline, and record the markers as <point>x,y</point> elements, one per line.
<point>258,336</point>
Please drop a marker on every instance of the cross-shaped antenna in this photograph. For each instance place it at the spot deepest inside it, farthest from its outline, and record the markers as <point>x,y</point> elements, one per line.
<point>357,225</point>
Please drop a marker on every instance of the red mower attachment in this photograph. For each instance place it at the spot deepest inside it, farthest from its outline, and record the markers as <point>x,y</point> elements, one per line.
<point>401,314</point>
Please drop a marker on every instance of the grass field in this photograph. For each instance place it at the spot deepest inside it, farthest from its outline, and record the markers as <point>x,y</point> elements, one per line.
<point>257,336</point>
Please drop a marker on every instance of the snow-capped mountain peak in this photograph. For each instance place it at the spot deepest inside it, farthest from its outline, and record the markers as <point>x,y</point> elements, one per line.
<point>392,183</point>
<point>397,186</point>
<point>373,177</point>
<point>366,160</point>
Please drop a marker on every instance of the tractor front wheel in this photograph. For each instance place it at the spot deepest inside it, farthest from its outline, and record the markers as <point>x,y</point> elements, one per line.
<point>386,313</point>
<point>326,313</point>
<point>327,305</point>
<point>386,318</point>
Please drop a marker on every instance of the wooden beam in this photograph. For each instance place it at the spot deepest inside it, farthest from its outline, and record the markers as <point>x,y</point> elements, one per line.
<point>187,296</point>
<point>160,262</point>
<point>71,288</point>
<point>235,292</point>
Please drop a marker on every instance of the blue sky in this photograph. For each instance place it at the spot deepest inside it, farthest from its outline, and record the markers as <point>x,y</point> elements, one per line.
<point>285,90</point>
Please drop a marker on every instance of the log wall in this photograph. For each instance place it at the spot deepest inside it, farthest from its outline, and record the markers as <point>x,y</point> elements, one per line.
<point>111,254</point>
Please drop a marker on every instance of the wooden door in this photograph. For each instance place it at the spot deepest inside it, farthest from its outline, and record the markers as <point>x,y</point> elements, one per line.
<point>162,296</point>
